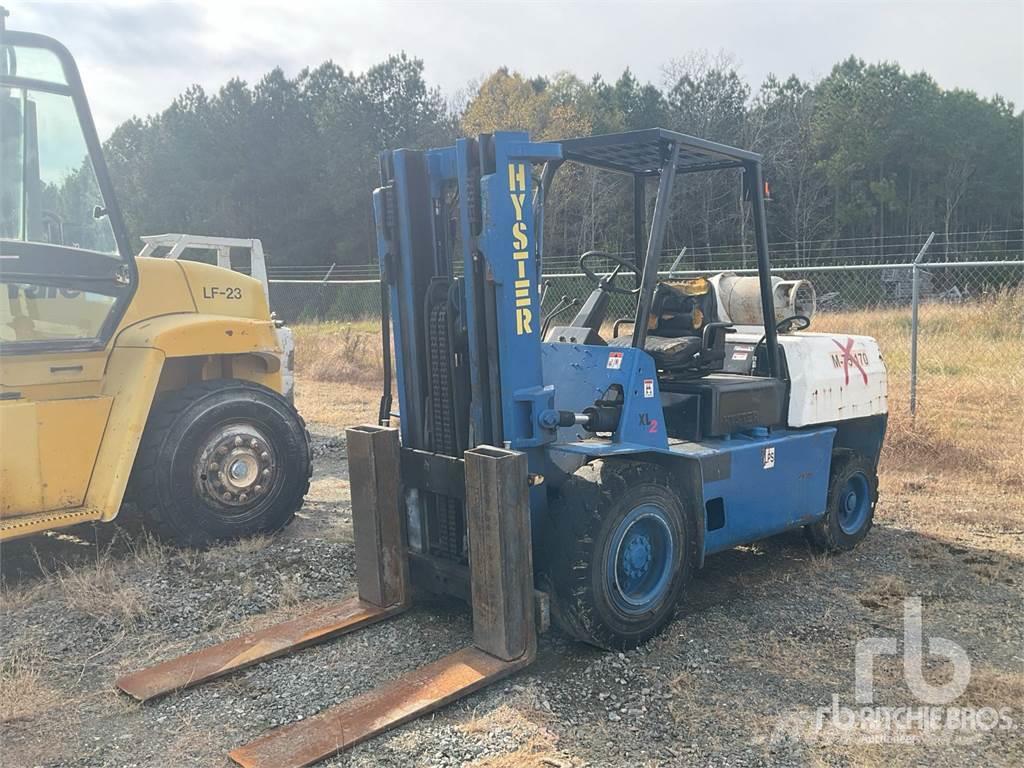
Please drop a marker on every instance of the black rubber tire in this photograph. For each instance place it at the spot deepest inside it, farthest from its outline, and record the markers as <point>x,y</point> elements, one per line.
<point>162,484</point>
<point>826,534</point>
<point>583,521</point>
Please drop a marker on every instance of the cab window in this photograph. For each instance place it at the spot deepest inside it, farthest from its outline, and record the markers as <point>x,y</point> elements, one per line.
<point>50,197</point>
<point>49,188</point>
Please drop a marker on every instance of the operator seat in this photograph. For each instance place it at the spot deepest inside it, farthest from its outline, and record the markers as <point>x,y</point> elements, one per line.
<point>688,346</point>
<point>679,337</point>
<point>668,353</point>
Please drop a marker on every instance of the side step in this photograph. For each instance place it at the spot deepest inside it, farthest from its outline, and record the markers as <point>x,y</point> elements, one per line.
<point>22,525</point>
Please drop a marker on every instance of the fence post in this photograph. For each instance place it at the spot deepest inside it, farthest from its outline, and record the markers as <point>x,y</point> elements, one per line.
<point>915,299</point>
<point>320,312</point>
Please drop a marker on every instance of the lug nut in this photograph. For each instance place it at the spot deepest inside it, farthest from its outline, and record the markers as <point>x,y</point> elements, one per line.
<point>266,473</point>
<point>213,466</point>
<point>265,456</point>
<point>227,497</point>
<point>222,450</point>
<point>238,441</point>
<point>254,443</point>
<point>242,497</point>
<point>258,489</point>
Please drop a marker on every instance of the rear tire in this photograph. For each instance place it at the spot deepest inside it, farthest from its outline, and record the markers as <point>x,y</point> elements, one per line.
<point>221,460</point>
<point>623,546</point>
<point>850,510</point>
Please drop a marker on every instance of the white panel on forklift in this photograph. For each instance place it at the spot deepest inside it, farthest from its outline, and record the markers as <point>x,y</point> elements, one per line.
<point>833,377</point>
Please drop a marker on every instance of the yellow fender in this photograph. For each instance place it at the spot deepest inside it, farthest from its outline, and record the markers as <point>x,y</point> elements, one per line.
<point>142,357</point>
<point>184,335</point>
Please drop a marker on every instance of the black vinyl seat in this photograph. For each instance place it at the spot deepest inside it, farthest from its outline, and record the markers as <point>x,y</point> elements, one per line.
<point>684,336</point>
<point>668,354</point>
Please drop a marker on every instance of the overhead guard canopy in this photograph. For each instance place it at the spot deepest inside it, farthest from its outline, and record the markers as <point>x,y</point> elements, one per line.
<point>645,152</point>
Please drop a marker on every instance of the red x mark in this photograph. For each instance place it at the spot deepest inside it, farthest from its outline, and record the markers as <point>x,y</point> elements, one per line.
<point>849,358</point>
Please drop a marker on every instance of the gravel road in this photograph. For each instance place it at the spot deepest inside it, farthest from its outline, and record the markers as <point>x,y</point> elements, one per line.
<point>764,637</point>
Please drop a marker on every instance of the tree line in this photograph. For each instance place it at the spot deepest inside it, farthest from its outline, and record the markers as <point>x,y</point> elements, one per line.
<point>868,151</point>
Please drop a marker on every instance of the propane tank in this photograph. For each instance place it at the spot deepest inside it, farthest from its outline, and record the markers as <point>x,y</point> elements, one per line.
<point>739,298</point>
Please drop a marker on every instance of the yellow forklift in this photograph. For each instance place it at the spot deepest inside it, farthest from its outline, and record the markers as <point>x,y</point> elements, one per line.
<point>158,380</point>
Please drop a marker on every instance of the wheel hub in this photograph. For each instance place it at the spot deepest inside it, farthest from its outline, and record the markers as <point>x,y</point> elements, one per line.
<point>236,465</point>
<point>637,557</point>
<point>854,504</point>
<point>640,559</point>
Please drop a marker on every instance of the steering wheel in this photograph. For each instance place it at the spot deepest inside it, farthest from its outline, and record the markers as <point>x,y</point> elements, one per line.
<point>793,323</point>
<point>608,283</point>
<point>786,325</point>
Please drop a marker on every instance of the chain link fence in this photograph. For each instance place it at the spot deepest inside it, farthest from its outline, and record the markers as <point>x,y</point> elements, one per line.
<point>967,330</point>
<point>318,301</point>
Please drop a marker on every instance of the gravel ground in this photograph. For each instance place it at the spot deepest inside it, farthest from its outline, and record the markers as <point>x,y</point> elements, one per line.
<point>764,637</point>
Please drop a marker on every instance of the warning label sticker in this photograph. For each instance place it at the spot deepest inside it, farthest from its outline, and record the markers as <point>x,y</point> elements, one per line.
<point>741,353</point>
<point>614,360</point>
<point>648,387</point>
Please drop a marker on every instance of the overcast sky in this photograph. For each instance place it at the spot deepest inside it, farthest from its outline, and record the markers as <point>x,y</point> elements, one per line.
<point>135,57</point>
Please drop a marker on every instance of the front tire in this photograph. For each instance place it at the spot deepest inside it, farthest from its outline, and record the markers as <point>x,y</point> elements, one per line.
<point>221,460</point>
<point>622,549</point>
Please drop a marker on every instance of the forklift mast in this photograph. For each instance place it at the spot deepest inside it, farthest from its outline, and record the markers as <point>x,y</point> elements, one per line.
<point>449,217</point>
<point>457,240</point>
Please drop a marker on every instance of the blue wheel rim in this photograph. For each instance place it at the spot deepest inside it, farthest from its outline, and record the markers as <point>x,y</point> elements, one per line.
<point>639,567</point>
<point>854,503</point>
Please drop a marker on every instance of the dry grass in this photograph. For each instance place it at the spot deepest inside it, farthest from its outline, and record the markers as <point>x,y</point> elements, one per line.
<point>775,653</point>
<point>147,550</point>
<point>344,353</point>
<point>537,752</point>
<point>971,371</point>
<point>327,404</point>
<point>970,417</point>
<point>24,692</point>
<point>289,592</point>
<point>536,745</point>
<point>99,591</point>
<point>20,596</point>
<point>230,552</point>
<point>884,592</point>
<point>334,354</point>
<point>509,718</point>
<point>994,688</point>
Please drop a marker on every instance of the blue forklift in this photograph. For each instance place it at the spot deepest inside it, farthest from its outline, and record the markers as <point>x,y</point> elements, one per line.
<point>554,468</point>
